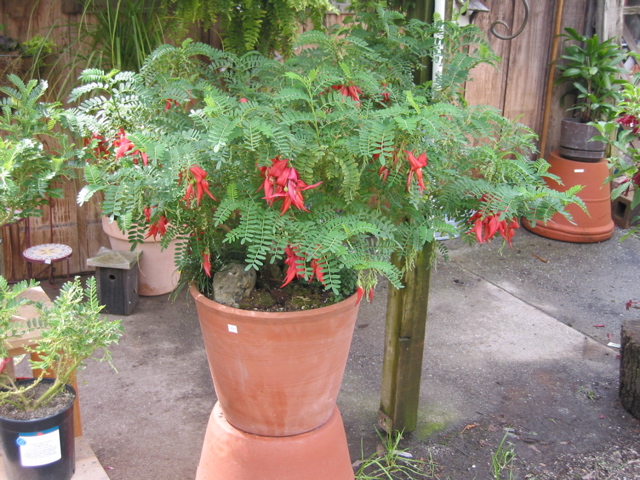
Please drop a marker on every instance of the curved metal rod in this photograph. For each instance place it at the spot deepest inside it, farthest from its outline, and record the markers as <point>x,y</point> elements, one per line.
<point>502,22</point>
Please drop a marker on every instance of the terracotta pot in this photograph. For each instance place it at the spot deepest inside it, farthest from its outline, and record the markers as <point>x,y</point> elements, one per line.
<point>158,274</point>
<point>594,225</point>
<point>276,374</point>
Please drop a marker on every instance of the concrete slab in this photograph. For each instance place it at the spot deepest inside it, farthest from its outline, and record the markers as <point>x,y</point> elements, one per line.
<point>511,349</point>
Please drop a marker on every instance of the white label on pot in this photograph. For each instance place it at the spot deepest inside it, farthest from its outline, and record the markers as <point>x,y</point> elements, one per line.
<point>39,448</point>
<point>579,170</point>
<point>232,328</point>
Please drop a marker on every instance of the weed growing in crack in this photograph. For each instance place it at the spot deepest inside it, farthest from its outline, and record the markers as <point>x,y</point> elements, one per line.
<point>393,463</point>
<point>590,394</point>
<point>502,460</point>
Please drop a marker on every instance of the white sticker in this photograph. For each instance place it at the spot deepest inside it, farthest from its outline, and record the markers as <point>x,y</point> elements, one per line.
<point>232,328</point>
<point>578,170</point>
<point>39,448</point>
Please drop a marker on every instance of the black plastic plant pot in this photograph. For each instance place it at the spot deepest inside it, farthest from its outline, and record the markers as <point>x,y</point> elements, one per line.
<point>42,448</point>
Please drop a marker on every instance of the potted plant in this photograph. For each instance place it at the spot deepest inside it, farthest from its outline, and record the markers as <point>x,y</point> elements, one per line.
<point>622,134</point>
<point>28,169</point>
<point>321,169</point>
<point>22,58</point>
<point>36,415</point>
<point>592,69</point>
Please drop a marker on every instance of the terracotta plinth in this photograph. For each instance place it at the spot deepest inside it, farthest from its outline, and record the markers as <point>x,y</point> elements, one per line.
<point>231,454</point>
<point>594,225</point>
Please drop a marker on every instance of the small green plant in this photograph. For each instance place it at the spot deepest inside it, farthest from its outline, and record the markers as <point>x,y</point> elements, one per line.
<point>588,393</point>
<point>502,459</point>
<point>71,331</point>
<point>392,462</point>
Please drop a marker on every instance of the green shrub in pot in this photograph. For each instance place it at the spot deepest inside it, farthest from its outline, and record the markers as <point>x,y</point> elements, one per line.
<point>70,331</point>
<point>320,167</point>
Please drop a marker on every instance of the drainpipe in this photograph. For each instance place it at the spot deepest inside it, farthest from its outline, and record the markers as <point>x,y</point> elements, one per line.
<point>549,94</point>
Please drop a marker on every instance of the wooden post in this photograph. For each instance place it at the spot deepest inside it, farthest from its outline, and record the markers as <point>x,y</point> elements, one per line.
<point>630,367</point>
<point>404,347</point>
<point>423,10</point>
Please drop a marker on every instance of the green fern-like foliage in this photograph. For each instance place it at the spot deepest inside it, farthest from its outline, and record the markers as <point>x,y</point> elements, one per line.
<point>331,161</point>
<point>267,26</point>
<point>29,165</point>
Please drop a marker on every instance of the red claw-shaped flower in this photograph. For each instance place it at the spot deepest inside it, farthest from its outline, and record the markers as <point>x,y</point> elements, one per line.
<point>198,186</point>
<point>159,227</point>
<point>282,181</point>
<point>295,265</point>
<point>350,91</point>
<point>360,292</point>
<point>125,147</point>
<point>416,165</point>
<point>486,226</point>
<point>317,271</point>
<point>206,262</point>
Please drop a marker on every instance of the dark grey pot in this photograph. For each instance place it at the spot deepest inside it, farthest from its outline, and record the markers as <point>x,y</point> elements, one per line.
<point>576,144</point>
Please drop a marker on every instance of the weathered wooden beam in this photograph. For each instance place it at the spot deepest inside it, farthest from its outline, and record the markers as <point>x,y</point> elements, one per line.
<point>630,367</point>
<point>404,347</point>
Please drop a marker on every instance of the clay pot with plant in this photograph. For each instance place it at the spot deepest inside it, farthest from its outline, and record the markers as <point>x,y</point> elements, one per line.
<point>319,175</point>
<point>36,414</point>
<point>591,68</point>
<point>23,59</point>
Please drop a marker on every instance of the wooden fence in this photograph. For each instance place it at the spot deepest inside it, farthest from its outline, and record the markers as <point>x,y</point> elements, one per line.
<point>520,87</point>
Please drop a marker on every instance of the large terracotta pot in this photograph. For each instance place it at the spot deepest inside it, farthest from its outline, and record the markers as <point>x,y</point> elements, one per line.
<point>277,374</point>
<point>158,273</point>
<point>594,225</point>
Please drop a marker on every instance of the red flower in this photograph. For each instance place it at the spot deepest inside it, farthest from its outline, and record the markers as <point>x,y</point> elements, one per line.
<point>101,150</point>
<point>123,145</point>
<point>386,96</point>
<point>200,183</point>
<point>206,262</point>
<point>317,271</point>
<point>351,91</point>
<point>126,147</point>
<point>629,121</point>
<point>636,178</point>
<point>486,226</point>
<point>158,227</point>
<point>282,181</point>
<point>147,213</point>
<point>360,292</point>
<point>295,265</point>
<point>416,167</point>
<point>169,103</point>
<point>243,100</point>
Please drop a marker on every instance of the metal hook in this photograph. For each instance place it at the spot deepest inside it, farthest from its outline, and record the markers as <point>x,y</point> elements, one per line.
<point>502,22</point>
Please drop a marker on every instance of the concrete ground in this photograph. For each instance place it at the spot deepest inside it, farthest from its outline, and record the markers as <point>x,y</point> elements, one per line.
<point>516,345</point>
